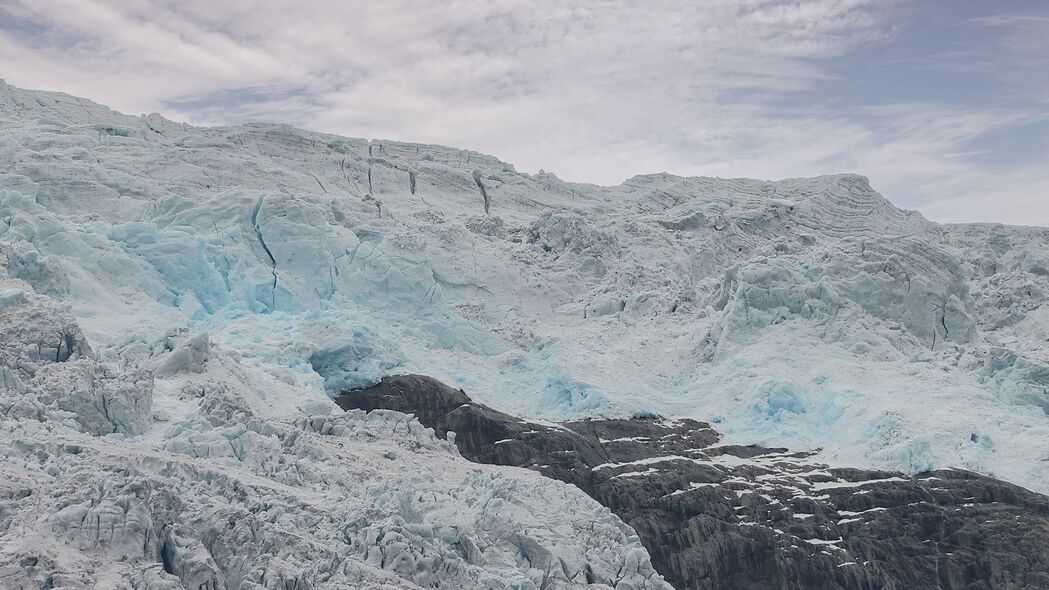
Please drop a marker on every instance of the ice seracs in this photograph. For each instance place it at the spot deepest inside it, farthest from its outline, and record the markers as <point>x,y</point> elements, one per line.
<point>664,294</point>
<point>201,473</point>
<point>805,313</point>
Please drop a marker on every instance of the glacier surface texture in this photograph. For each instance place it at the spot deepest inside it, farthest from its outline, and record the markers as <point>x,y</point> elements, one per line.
<point>179,304</point>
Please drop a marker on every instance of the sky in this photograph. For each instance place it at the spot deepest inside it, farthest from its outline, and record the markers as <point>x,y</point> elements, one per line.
<point>943,104</point>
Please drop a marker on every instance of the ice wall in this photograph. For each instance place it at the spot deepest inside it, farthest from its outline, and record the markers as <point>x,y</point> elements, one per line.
<point>808,313</point>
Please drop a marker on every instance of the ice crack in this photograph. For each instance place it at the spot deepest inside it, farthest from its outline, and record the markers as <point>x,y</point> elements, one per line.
<point>266,249</point>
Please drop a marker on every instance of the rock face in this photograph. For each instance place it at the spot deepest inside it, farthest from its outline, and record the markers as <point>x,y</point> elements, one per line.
<point>724,516</point>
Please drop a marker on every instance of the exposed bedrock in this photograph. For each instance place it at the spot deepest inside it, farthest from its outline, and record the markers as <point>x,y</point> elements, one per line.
<point>724,516</point>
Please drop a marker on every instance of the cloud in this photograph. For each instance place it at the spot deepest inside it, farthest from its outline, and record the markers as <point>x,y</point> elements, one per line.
<point>596,91</point>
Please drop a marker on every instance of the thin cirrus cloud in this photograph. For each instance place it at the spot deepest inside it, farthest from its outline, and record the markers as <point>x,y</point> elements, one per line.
<point>943,104</point>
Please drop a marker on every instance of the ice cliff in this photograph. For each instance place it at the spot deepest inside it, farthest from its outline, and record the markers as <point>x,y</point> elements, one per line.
<point>205,473</point>
<point>176,302</point>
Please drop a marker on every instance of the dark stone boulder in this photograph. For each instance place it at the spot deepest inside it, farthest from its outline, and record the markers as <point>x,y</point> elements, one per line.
<point>728,516</point>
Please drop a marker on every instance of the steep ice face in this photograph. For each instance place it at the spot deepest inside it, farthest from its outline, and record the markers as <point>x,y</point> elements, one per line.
<point>217,474</point>
<point>808,313</point>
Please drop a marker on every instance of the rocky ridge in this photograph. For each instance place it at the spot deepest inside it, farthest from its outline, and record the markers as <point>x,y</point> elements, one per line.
<point>716,516</point>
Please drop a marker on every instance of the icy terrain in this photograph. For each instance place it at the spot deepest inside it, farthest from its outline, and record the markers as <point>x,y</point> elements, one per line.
<point>807,313</point>
<point>198,471</point>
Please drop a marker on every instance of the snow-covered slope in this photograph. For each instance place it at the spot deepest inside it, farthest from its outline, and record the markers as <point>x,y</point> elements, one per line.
<point>808,313</point>
<point>202,472</point>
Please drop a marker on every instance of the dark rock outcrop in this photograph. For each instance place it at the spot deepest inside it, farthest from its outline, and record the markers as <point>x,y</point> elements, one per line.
<point>719,517</point>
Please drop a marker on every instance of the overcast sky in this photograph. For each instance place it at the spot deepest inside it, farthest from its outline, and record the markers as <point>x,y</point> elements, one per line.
<point>944,104</point>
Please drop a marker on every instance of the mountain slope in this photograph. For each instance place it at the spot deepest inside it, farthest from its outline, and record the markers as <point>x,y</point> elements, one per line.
<point>183,465</point>
<point>807,313</point>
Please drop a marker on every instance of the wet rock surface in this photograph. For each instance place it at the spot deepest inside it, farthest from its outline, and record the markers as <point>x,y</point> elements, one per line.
<point>723,516</point>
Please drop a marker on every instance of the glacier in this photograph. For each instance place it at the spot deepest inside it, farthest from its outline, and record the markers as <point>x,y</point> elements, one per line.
<point>193,297</point>
<point>193,470</point>
<point>805,313</point>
